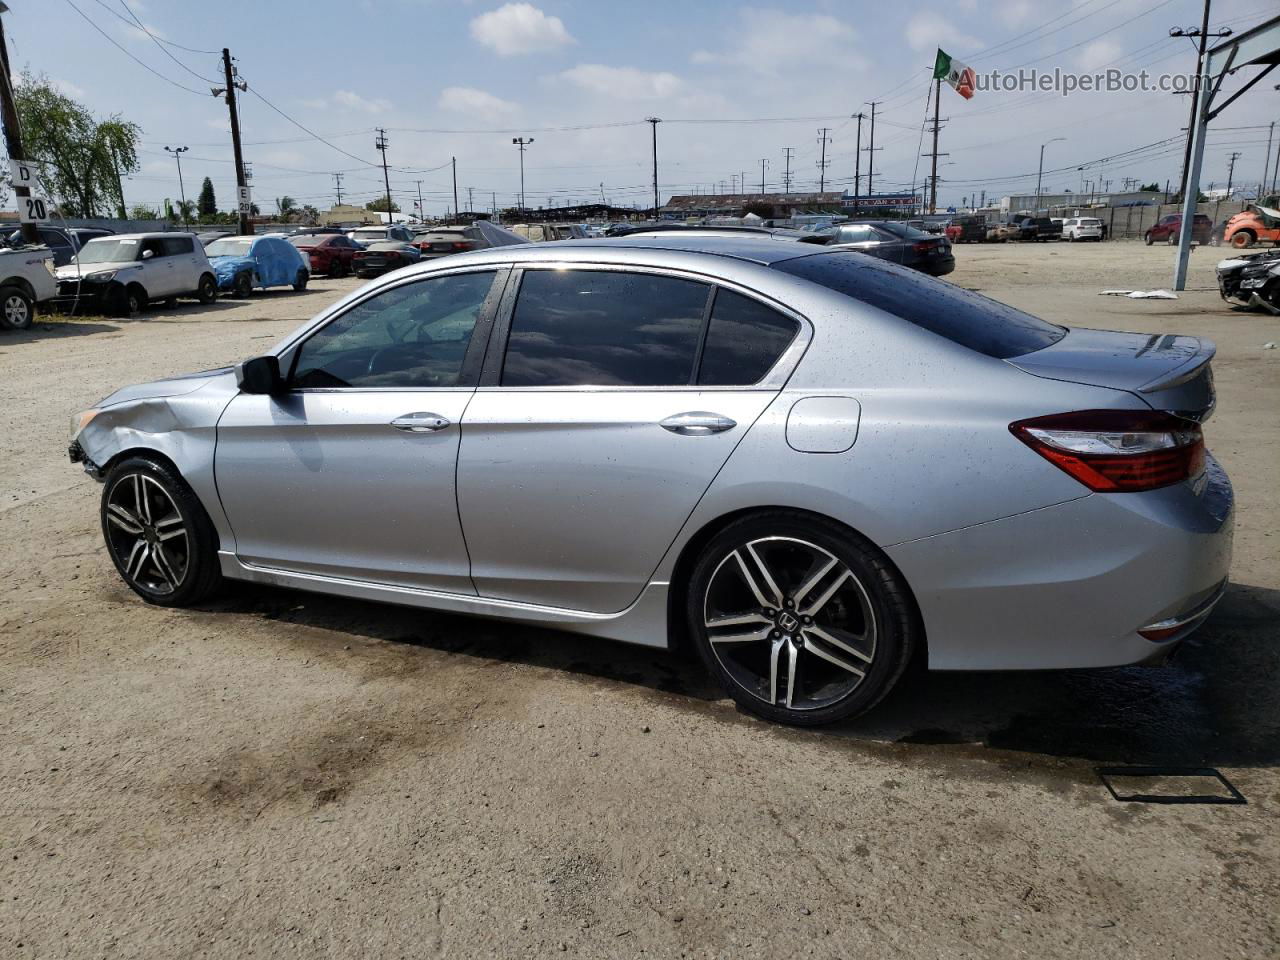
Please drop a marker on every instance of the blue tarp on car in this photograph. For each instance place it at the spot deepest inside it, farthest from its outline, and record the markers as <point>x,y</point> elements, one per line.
<point>274,262</point>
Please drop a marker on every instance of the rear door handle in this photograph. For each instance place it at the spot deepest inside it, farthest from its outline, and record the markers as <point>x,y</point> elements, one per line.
<point>697,423</point>
<point>420,422</point>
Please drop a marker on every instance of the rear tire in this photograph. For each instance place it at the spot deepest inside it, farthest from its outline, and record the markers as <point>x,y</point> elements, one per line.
<point>207,292</point>
<point>17,308</point>
<point>821,631</point>
<point>158,534</point>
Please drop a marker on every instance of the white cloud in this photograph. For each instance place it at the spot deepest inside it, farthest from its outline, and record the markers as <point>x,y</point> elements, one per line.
<point>473,101</point>
<point>517,28</point>
<point>353,101</point>
<point>1099,52</point>
<point>927,30</point>
<point>69,89</point>
<point>623,83</point>
<point>763,34</point>
<point>1014,12</point>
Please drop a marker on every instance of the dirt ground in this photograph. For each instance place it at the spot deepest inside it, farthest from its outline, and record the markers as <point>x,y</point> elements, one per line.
<point>287,774</point>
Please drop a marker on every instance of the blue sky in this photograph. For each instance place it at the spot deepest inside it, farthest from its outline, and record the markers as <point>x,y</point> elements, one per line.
<point>734,83</point>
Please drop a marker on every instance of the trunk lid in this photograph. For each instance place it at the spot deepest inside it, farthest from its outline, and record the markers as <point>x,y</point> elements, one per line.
<point>1168,372</point>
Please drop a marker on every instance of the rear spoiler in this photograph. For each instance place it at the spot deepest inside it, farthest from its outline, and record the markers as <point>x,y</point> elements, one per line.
<point>1180,374</point>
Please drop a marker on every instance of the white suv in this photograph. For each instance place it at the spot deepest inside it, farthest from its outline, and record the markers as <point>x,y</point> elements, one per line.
<point>121,274</point>
<point>1082,228</point>
<point>26,278</point>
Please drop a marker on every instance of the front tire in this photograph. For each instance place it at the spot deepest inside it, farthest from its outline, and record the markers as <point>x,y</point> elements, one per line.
<point>802,621</point>
<point>1242,239</point>
<point>17,308</point>
<point>300,282</point>
<point>158,534</point>
<point>1147,238</point>
<point>243,286</point>
<point>133,300</point>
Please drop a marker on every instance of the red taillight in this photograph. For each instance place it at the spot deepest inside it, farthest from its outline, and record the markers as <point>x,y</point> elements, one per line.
<point>1117,451</point>
<point>923,246</point>
<point>461,245</point>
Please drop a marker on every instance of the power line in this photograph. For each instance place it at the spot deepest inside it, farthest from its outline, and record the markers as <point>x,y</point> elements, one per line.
<point>140,63</point>
<point>155,40</point>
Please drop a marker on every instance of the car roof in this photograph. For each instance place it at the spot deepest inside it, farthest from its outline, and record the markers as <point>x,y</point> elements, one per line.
<point>144,236</point>
<point>751,249</point>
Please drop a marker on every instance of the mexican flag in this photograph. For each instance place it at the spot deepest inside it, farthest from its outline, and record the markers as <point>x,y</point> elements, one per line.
<point>959,75</point>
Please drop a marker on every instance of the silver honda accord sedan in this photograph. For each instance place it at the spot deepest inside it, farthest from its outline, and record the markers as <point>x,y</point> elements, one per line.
<point>811,465</point>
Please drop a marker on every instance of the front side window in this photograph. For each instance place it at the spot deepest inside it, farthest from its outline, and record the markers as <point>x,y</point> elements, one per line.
<point>409,337</point>
<point>175,246</point>
<point>603,328</point>
<point>154,246</point>
<point>745,339</point>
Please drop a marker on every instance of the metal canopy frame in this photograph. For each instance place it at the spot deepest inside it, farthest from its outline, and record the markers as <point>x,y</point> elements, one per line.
<point>1257,47</point>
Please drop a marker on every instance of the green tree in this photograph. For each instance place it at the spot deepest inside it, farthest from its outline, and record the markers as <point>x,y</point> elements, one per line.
<point>1149,188</point>
<point>310,214</point>
<point>83,158</point>
<point>286,206</point>
<point>208,203</point>
<point>380,205</point>
<point>140,211</point>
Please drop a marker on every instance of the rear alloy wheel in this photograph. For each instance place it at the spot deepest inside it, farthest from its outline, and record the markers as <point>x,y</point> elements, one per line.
<point>17,309</point>
<point>158,534</point>
<point>300,282</point>
<point>801,621</point>
<point>243,286</point>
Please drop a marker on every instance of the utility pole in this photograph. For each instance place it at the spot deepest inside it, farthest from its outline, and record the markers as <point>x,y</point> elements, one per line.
<point>182,190</point>
<point>653,122</point>
<point>12,131</point>
<point>422,213</point>
<point>822,162</point>
<point>1231,170</point>
<point>522,142</point>
<point>763,163</point>
<point>786,176</point>
<point>742,182</point>
<point>381,144</point>
<point>471,200</point>
<point>937,125</point>
<point>733,183</point>
<point>337,183</point>
<point>454,162</point>
<point>1262,187</point>
<point>230,75</point>
<point>857,162</point>
<point>1202,35</point>
<point>602,199</point>
<point>871,150</point>
<point>1040,169</point>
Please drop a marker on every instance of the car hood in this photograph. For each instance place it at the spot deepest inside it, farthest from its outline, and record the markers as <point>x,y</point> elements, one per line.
<point>169,386</point>
<point>226,267</point>
<point>71,271</point>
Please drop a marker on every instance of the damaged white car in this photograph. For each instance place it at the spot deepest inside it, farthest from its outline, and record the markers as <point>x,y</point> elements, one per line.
<point>1253,280</point>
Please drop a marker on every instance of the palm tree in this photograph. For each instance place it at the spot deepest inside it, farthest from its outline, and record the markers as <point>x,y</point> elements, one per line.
<point>286,206</point>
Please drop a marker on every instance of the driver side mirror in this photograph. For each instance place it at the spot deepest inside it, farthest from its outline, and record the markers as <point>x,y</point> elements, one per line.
<point>260,375</point>
<point>148,254</point>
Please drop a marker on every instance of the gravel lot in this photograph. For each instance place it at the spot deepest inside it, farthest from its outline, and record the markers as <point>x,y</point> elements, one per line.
<point>288,774</point>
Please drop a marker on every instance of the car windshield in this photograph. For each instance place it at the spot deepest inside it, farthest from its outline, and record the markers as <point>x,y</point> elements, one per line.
<point>230,247</point>
<point>120,250</point>
<point>308,239</point>
<point>388,245</point>
<point>960,315</point>
<point>1090,223</point>
<point>366,236</point>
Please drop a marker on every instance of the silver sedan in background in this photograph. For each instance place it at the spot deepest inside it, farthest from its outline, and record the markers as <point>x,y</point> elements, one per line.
<point>812,465</point>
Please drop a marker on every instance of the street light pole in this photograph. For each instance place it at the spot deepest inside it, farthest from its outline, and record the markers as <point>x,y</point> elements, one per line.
<point>521,143</point>
<point>182,190</point>
<point>1040,169</point>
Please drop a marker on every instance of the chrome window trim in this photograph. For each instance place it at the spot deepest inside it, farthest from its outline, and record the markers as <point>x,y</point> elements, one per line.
<point>772,381</point>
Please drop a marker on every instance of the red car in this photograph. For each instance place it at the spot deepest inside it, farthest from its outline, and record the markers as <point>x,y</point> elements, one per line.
<point>1168,228</point>
<point>329,253</point>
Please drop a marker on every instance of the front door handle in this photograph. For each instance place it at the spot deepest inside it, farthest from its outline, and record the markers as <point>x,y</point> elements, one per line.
<point>420,422</point>
<point>697,423</point>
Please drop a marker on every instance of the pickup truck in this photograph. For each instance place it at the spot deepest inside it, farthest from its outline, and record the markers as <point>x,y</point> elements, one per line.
<point>26,278</point>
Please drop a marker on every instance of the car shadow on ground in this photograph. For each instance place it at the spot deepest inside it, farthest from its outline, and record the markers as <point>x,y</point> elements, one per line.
<point>1217,703</point>
<point>44,329</point>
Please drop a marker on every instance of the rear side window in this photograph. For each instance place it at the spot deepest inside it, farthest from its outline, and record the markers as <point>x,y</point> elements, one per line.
<point>174,246</point>
<point>744,341</point>
<point>962,316</point>
<point>604,328</point>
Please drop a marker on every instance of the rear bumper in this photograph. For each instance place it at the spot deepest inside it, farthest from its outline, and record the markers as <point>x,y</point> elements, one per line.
<point>1070,586</point>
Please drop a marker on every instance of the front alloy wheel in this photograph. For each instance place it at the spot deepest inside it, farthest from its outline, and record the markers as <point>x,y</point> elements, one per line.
<point>158,535</point>
<point>802,623</point>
